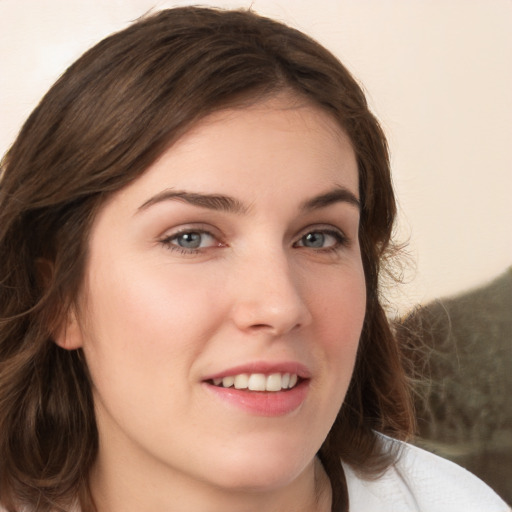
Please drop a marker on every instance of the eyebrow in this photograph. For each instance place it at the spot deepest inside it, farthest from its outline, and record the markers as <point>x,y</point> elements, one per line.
<point>229,204</point>
<point>217,202</point>
<point>338,195</point>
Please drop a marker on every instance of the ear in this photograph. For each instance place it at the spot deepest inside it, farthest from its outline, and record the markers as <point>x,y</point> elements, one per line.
<point>69,334</point>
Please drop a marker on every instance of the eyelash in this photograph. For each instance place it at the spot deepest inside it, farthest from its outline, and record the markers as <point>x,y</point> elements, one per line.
<point>340,239</point>
<point>167,242</point>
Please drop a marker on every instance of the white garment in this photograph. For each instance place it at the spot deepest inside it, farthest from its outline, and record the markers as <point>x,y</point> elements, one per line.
<point>422,482</point>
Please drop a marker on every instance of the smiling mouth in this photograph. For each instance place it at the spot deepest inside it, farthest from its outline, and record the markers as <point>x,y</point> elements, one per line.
<point>273,382</point>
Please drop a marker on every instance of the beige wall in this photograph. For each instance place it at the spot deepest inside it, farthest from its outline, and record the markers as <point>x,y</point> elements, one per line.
<point>437,73</point>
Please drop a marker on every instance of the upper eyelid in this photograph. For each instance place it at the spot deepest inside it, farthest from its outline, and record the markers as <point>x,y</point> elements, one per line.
<point>321,228</point>
<point>177,234</point>
<point>334,233</point>
<point>217,233</point>
<point>221,235</point>
<point>342,238</point>
<point>168,241</point>
<point>191,228</point>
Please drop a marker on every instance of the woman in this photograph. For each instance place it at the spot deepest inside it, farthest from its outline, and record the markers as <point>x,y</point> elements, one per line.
<point>193,223</point>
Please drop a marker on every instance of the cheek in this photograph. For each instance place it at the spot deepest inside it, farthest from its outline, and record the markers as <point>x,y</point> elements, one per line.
<point>339,311</point>
<point>340,306</point>
<point>143,336</point>
<point>339,317</point>
<point>142,314</point>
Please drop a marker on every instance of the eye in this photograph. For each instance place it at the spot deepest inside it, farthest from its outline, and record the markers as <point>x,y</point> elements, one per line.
<point>190,241</point>
<point>322,239</point>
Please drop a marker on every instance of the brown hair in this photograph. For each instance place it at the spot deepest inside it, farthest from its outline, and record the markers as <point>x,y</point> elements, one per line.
<point>99,127</point>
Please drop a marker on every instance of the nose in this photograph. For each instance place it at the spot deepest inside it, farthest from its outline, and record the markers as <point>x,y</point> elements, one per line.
<point>268,297</point>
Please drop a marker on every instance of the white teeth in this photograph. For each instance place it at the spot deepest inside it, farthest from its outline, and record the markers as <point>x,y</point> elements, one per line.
<point>259,381</point>
<point>241,381</point>
<point>227,382</point>
<point>274,382</point>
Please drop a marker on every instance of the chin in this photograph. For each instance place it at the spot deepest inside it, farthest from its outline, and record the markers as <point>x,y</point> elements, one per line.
<point>258,480</point>
<point>263,470</point>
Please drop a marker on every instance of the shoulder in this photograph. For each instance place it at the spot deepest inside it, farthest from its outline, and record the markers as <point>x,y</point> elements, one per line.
<point>422,482</point>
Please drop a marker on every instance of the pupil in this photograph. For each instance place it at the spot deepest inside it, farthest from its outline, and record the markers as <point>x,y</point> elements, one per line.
<point>314,240</point>
<point>190,240</point>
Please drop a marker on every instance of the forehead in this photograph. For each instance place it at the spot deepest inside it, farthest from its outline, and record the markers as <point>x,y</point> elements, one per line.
<point>283,144</point>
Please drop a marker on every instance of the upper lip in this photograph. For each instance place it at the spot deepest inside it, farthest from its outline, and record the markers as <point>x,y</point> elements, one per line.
<point>266,368</point>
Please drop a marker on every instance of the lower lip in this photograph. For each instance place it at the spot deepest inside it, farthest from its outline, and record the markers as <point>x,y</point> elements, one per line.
<point>270,403</point>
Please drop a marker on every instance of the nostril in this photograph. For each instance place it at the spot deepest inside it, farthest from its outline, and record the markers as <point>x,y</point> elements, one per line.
<point>272,311</point>
<point>273,330</point>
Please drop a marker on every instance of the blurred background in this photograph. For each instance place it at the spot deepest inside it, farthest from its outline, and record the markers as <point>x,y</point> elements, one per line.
<point>438,75</point>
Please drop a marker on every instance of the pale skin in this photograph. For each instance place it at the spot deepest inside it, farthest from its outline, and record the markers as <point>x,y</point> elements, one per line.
<point>238,248</point>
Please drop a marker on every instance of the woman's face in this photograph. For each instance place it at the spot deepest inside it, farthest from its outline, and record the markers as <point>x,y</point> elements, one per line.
<point>223,302</point>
